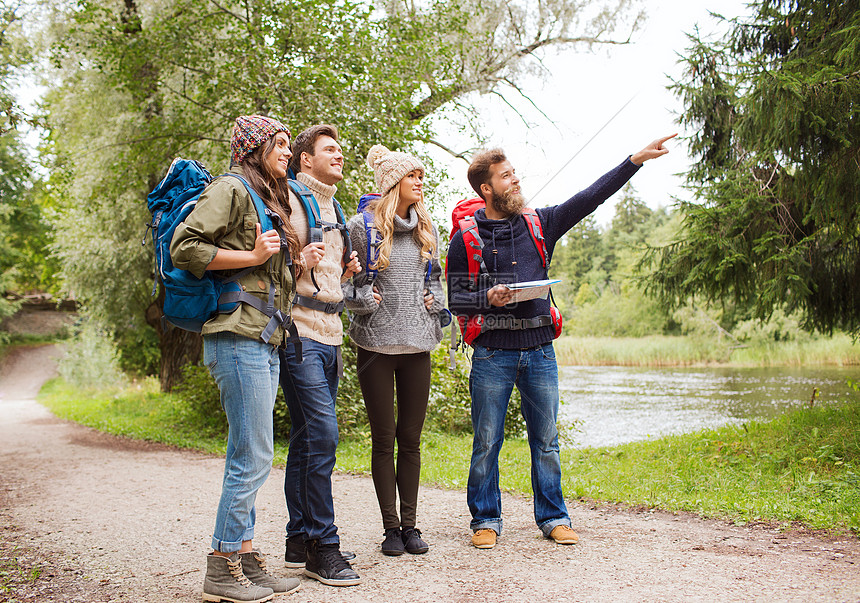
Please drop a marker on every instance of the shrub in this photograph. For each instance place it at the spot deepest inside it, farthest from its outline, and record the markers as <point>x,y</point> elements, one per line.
<point>448,410</point>
<point>450,406</point>
<point>351,413</point>
<point>138,349</point>
<point>199,401</point>
<point>91,359</point>
<point>200,404</point>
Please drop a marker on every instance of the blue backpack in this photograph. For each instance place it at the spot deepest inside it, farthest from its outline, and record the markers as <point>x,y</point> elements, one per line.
<point>190,301</point>
<point>316,228</point>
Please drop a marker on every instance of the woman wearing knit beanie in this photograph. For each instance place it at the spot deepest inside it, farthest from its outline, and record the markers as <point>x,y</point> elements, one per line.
<point>223,233</point>
<point>395,328</point>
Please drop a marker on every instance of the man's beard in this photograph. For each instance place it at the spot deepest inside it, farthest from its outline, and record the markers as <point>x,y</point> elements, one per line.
<point>508,202</point>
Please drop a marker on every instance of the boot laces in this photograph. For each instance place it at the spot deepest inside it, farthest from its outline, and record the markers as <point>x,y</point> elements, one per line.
<point>235,568</point>
<point>261,562</point>
<point>333,558</point>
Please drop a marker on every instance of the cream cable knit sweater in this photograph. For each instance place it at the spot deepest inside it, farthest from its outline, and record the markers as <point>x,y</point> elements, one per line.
<point>315,324</point>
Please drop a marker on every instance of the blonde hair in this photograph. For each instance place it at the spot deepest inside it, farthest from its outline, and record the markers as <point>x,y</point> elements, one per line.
<point>384,209</point>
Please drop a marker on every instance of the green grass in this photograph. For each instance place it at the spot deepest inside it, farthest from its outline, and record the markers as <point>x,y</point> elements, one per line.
<point>660,350</point>
<point>801,467</point>
<point>139,411</point>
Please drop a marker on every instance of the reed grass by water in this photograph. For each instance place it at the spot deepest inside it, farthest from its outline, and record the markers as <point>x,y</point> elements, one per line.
<point>668,351</point>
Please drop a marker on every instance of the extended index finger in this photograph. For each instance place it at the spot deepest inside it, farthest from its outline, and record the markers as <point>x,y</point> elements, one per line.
<point>660,141</point>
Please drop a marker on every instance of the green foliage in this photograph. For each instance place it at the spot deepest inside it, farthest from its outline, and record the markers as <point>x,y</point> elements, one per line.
<point>140,83</point>
<point>577,252</point>
<point>91,359</point>
<point>7,309</point>
<point>618,312</point>
<point>449,408</point>
<point>22,232</point>
<point>773,107</point>
<point>602,295</point>
<point>15,53</point>
<point>198,401</point>
<point>351,413</point>
<point>779,327</point>
<point>138,351</point>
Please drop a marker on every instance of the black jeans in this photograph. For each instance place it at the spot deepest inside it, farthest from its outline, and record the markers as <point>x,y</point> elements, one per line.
<point>377,374</point>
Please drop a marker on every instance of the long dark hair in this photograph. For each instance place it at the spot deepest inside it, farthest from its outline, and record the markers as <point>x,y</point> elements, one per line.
<point>275,194</point>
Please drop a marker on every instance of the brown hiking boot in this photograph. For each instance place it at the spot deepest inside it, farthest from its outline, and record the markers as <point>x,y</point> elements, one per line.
<point>564,535</point>
<point>225,581</point>
<point>485,538</point>
<point>254,567</point>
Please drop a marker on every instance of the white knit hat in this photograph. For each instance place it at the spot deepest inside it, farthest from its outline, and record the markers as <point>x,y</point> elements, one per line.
<point>389,167</point>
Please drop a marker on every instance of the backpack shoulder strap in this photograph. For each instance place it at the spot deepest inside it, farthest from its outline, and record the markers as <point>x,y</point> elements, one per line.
<point>374,240</point>
<point>536,231</point>
<point>312,210</point>
<point>263,212</point>
<point>474,247</point>
<point>338,210</point>
<point>344,231</point>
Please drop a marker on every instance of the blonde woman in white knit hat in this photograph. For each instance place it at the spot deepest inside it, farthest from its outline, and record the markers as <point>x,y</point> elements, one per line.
<point>396,298</point>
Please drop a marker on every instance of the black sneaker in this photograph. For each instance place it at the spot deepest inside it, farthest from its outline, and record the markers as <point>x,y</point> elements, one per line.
<point>393,543</point>
<point>296,555</point>
<point>413,543</point>
<point>326,564</point>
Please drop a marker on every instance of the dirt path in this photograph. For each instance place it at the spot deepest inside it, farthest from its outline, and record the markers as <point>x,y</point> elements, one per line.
<point>116,520</point>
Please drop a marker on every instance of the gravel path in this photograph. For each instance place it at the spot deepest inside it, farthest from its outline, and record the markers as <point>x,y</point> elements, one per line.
<point>110,519</point>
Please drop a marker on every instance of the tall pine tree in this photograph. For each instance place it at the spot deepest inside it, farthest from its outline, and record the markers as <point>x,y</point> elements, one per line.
<point>775,108</point>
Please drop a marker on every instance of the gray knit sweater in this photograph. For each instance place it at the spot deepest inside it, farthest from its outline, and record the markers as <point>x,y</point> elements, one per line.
<point>400,324</point>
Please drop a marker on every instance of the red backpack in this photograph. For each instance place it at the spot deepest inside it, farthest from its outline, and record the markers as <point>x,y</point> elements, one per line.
<point>464,220</point>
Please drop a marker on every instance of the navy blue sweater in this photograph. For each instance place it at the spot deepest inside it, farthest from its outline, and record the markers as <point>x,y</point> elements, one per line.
<point>510,256</point>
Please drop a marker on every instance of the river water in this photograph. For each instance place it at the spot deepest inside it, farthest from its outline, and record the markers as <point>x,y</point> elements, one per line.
<point>623,404</point>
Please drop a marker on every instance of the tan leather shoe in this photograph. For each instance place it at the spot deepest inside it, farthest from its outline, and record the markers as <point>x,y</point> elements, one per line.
<point>564,535</point>
<point>485,538</point>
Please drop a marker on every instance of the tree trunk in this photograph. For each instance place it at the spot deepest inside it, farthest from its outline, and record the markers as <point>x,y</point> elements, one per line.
<point>178,346</point>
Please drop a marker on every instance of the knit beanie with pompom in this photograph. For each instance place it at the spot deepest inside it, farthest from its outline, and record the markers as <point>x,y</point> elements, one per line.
<point>250,131</point>
<point>389,167</point>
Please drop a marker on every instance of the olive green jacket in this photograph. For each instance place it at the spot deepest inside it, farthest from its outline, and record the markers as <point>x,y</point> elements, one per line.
<point>225,217</point>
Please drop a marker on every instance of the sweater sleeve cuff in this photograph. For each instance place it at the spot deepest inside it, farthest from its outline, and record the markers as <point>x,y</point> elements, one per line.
<point>359,299</point>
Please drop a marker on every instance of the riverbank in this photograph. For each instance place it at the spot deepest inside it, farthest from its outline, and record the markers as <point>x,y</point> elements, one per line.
<point>798,469</point>
<point>665,351</point>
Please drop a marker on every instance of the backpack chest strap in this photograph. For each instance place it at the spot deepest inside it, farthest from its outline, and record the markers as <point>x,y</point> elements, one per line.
<point>315,304</point>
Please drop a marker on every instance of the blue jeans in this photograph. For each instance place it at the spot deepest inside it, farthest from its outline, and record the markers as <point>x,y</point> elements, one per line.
<point>310,388</point>
<point>246,372</point>
<point>491,382</point>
